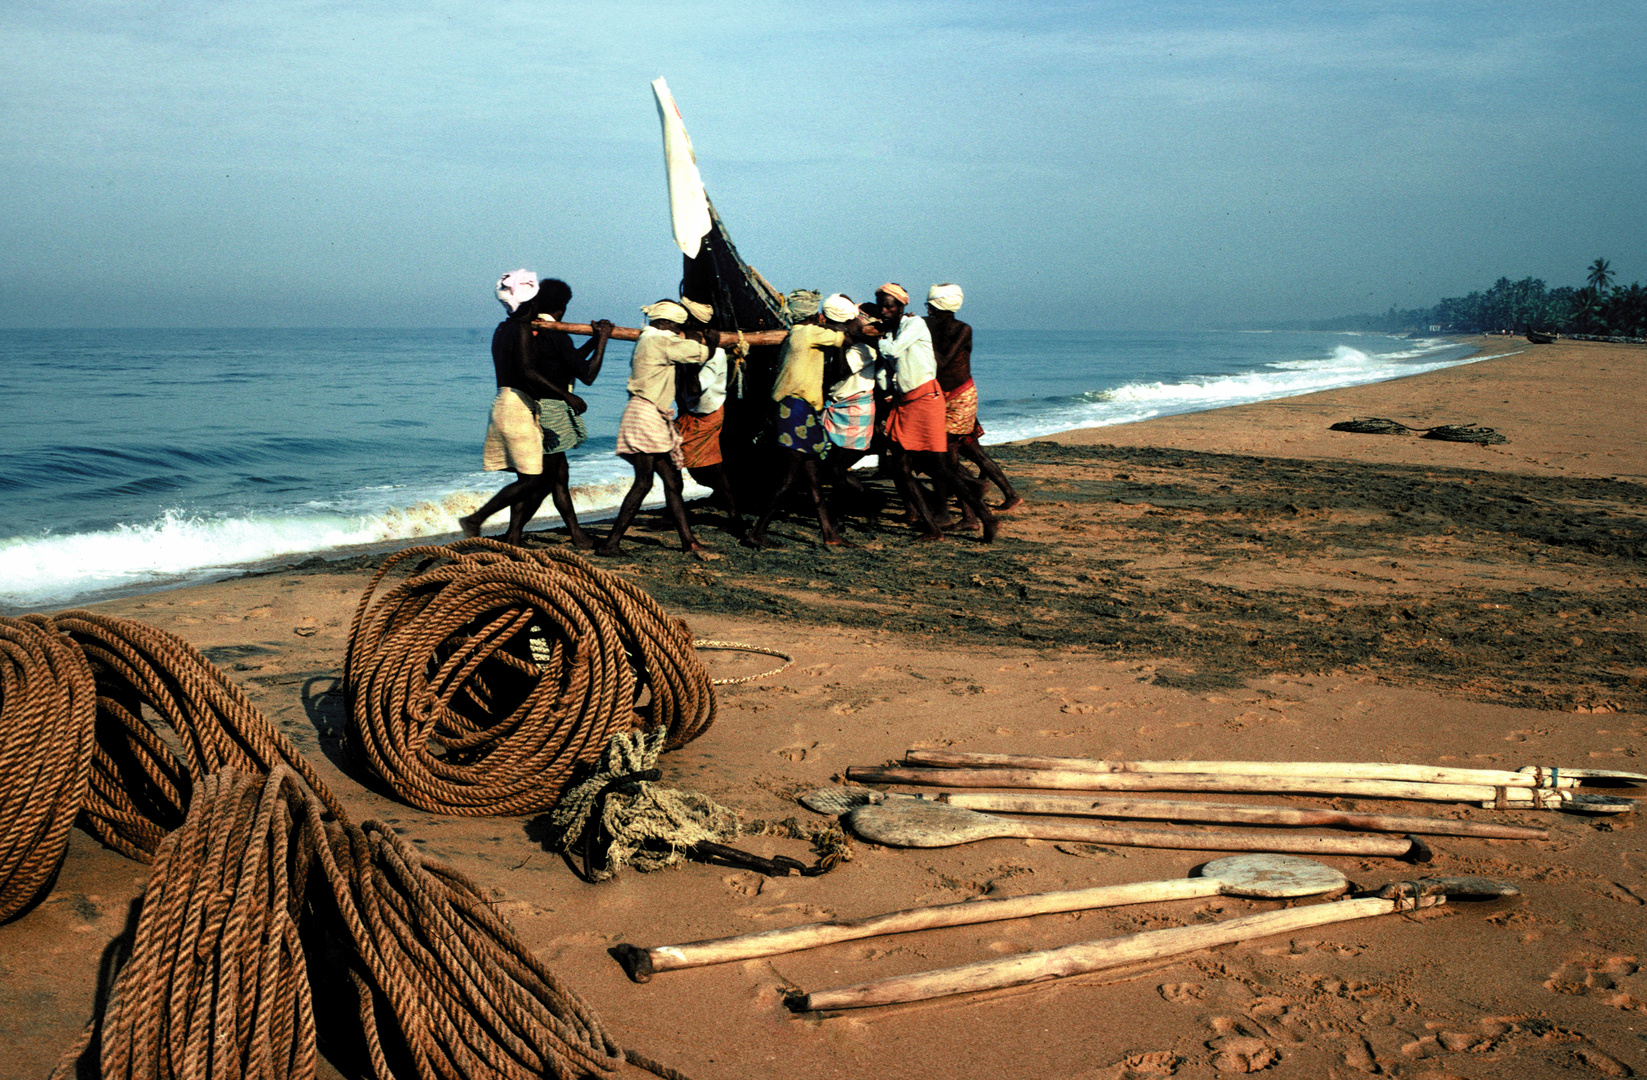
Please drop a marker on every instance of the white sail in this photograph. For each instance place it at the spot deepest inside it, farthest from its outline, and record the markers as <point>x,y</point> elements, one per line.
<point>688,204</point>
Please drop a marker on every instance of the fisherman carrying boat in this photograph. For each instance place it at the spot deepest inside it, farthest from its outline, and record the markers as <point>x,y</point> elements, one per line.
<point>798,397</point>
<point>700,393</point>
<point>647,437</point>
<point>536,418</point>
<point>915,423</point>
<point>952,346</point>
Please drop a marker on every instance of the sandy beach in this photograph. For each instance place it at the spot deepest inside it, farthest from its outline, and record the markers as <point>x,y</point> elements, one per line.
<point>1237,584</point>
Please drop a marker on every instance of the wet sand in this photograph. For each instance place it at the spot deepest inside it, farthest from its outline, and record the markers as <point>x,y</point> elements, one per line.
<point>1237,584</point>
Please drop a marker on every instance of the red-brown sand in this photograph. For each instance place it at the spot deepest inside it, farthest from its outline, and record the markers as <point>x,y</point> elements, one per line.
<point>1547,986</point>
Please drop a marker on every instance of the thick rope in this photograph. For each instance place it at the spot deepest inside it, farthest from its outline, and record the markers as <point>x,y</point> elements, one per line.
<point>253,885</point>
<point>48,704</point>
<point>260,884</point>
<point>483,681</point>
<point>738,646</point>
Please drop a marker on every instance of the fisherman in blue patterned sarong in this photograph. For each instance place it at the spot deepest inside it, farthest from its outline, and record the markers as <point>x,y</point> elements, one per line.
<point>798,397</point>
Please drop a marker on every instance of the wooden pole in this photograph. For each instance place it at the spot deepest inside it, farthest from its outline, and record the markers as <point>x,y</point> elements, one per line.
<point>1341,770</point>
<point>1097,955</point>
<point>1520,798</point>
<point>630,333</point>
<point>1234,814</point>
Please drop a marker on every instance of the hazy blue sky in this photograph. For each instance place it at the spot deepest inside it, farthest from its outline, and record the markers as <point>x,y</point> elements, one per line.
<point>301,163</point>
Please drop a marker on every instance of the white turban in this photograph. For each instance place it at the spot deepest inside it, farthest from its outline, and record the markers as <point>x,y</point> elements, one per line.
<point>802,303</point>
<point>516,287</point>
<point>665,309</point>
<point>840,308</point>
<point>701,312</point>
<point>945,297</point>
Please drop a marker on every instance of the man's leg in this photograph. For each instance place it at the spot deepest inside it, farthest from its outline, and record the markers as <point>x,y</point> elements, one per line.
<point>555,468</point>
<point>903,477</point>
<point>643,466</point>
<point>471,523</point>
<point>791,466</point>
<point>809,466</point>
<point>671,477</point>
<point>715,479</point>
<point>988,467</point>
<point>525,505</point>
<point>969,495</point>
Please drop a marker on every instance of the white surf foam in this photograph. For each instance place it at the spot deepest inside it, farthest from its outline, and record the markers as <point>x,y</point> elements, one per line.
<point>178,547</point>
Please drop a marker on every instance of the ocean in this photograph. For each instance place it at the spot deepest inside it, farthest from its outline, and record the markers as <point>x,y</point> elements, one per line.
<point>139,460</point>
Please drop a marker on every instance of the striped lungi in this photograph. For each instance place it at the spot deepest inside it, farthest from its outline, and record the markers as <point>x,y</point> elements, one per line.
<point>513,438</point>
<point>961,413</point>
<point>701,438</point>
<point>916,421</point>
<point>563,429</point>
<point>647,429</point>
<point>850,422</point>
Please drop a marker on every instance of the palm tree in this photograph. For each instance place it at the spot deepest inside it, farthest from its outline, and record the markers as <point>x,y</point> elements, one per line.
<point>1600,274</point>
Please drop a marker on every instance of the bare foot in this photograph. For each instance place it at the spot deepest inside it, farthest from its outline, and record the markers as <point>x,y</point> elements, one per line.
<point>838,541</point>
<point>469,525</point>
<point>969,523</point>
<point>990,525</point>
<point>929,537</point>
<point>761,541</point>
<point>581,541</point>
<point>609,551</point>
<point>1010,505</point>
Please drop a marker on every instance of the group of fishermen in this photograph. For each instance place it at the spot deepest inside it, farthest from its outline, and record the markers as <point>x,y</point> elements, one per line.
<point>851,380</point>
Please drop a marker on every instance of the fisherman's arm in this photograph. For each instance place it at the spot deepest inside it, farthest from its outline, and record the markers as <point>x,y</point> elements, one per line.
<point>593,352</point>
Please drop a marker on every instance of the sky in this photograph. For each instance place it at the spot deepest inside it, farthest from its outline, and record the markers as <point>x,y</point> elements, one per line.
<point>1114,165</point>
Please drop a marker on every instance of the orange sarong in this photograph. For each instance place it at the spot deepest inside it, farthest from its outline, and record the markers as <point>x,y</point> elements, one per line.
<point>701,438</point>
<point>916,421</point>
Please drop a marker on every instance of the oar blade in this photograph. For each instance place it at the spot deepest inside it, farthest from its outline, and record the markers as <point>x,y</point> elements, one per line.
<point>1274,876</point>
<point>919,824</point>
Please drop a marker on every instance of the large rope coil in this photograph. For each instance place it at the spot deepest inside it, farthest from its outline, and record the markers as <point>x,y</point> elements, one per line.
<point>219,982</point>
<point>484,680</point>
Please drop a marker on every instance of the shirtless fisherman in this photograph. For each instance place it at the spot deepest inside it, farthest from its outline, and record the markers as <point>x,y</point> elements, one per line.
<point>915,420</point>
<point>647,438</point>
<point>952,345</point>
<point>798,400</point>
<point>535,417</point>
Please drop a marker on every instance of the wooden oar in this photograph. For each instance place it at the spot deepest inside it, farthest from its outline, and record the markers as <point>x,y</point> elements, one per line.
<point>1233,814</point>
<point>1533,776</point>
<point>1515,798</point>
<point>1135,948</point>
<point>841,800</point>
<point>918,823</point>
<point>630,333</point>
<point>1257,876</point>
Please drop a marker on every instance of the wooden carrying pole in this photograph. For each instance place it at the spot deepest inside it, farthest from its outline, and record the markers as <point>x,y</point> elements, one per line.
<point>1258,876</point>
<point>1518,798</point>
<point>630,333</point>
<point>1098,955</point>
<point>1337,770</point>
<point>1233,814</point>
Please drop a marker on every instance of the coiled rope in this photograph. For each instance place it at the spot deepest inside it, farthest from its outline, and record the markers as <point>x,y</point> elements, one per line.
<point>260,881</point>
<point>480,683</point>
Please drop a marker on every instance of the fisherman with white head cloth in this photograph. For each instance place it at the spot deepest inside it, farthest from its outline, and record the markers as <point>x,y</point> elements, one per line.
<point>647,437</point>
<point>952,352</point>
<point>915,423</point>
<point>798,401</point>
<point>535,417</point>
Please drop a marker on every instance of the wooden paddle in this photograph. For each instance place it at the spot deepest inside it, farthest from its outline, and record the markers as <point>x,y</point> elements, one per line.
<point>1532,776</point>
<point>841,800</point>
<point>918,823</point>
<point>1257,876</point>
<point>1134,948</point>
<point>1515,798</point>
<point>1234,814</point>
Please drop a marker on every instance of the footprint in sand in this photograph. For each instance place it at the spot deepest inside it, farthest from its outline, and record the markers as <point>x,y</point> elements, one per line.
<point>1182,993</point>
<point>1242,1054</point>
<point>795,754</point>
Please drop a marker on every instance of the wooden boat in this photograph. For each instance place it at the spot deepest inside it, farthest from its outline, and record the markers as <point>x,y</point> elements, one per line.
<point>1539,339</point>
